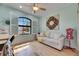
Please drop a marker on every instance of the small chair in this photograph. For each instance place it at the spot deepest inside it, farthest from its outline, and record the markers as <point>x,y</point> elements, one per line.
<point>1,48</point>
<point>2,43</point>
<point>7,46</point>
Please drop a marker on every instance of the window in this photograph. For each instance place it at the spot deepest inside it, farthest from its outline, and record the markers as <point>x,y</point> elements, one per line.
<point>24,25</point>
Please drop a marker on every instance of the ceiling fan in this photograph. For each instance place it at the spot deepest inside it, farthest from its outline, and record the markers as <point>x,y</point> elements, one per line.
<point>36,8</point>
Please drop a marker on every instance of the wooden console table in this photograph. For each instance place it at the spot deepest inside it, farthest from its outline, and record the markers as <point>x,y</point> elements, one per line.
<point>3,38</point>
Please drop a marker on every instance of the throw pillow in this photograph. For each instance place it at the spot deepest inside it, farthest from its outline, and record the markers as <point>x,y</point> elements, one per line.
<point>41,34</point>
<point>51,35</point>
<point>46,34</point>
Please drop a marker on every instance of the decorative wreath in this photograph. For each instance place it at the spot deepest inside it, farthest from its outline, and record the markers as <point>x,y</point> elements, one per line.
<point>52,22</point>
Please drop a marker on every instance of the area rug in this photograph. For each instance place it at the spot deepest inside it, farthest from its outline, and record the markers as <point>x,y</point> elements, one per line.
<point>25,51</point>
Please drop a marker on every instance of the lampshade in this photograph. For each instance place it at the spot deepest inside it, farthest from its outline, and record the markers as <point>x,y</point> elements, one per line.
<point>35,8</point>
<point>69,33</point>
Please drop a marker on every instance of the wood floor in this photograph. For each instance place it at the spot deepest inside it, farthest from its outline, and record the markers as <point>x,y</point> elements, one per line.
<point>42,50</point>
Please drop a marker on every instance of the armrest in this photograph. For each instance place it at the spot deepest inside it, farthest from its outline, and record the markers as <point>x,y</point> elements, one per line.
<point>61,39</point>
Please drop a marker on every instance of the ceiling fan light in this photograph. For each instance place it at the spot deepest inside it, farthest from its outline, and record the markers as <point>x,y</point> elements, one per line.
<point>35,8</point>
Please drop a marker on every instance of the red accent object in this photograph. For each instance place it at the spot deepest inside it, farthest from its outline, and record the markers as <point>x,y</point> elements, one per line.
<point>69,33</point>
<point>69,36</point>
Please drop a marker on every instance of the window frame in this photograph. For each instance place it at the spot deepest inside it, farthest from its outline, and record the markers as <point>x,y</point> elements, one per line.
<point>26,25</point>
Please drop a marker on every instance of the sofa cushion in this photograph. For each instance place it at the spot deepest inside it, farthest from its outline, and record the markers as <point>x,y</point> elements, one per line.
<point>57,35</point>
<point>46,33</point>
<point>54,34</point>
<point>51,35</point>
<point>50,40</point>
<point>41,34</point>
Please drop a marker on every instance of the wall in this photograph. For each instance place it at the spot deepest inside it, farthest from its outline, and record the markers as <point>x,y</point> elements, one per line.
<point>8,13</point>
<point>68,18</point>
<point>78,33</point>
<point>78,28</point>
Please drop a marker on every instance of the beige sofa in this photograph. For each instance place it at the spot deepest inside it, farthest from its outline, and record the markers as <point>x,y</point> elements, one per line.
<point>54,39</point>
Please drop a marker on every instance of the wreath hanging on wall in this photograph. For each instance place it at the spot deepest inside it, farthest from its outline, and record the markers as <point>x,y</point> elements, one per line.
<point>52,22</point>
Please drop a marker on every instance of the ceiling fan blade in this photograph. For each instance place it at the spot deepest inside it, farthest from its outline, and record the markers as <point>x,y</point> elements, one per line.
<point>42,9</point>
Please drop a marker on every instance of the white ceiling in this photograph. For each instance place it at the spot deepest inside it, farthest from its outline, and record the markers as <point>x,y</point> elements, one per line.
<point>27,7</point>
